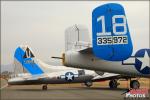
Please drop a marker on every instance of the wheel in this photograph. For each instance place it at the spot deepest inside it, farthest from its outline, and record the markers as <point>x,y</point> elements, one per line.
<point>134,84</point>
<point>44,87</point>
<point>113,84</point>
<point>88,84</point>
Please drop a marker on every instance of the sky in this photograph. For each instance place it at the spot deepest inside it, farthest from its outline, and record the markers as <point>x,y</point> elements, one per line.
<point>41,25</point>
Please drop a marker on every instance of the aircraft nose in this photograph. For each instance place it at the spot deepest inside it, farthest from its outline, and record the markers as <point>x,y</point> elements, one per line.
<point>10,82</point>
<point>13,81</point>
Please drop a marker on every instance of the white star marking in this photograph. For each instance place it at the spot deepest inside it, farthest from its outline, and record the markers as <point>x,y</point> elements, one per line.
<point>69,76</point>
<point>145,61</point>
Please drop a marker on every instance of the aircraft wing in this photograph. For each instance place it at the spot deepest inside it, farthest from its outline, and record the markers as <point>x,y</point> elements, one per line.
<point>36,77</point>
<point>109,76</point>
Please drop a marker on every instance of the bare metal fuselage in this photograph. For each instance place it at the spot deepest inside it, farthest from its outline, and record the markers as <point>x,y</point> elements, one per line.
<point>80,79</point>
<point>89,61</point>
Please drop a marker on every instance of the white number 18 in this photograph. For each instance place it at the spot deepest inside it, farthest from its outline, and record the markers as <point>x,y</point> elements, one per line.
<point>115,25</point>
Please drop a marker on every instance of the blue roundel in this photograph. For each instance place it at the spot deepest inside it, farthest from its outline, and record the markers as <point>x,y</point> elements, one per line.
<point>69,76</point>
<point>142,61</point>
<point>110,34</point>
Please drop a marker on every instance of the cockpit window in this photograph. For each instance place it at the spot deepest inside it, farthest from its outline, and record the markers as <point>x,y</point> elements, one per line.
<point>81,72</point>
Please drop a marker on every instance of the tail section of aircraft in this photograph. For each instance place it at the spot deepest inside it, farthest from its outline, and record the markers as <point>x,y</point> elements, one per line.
<point>110,33</point>
<point>25,58</point>
<point>76,37</point>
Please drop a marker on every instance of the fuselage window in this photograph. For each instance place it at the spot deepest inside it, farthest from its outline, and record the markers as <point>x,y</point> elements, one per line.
<point>81,72</point>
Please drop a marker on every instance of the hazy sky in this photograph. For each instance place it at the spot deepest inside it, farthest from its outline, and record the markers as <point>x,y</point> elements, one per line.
<point>41,24</point>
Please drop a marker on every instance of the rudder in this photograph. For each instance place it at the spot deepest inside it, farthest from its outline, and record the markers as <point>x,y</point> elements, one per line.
<point>25,57</point>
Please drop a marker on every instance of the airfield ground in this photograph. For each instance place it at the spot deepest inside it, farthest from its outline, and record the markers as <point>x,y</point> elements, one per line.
<point>99,91</point>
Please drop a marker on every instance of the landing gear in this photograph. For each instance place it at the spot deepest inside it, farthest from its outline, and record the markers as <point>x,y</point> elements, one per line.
<point>88,84</point>
<point>44,87</point>
<point>113,84</point>
<point>134,84</point>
